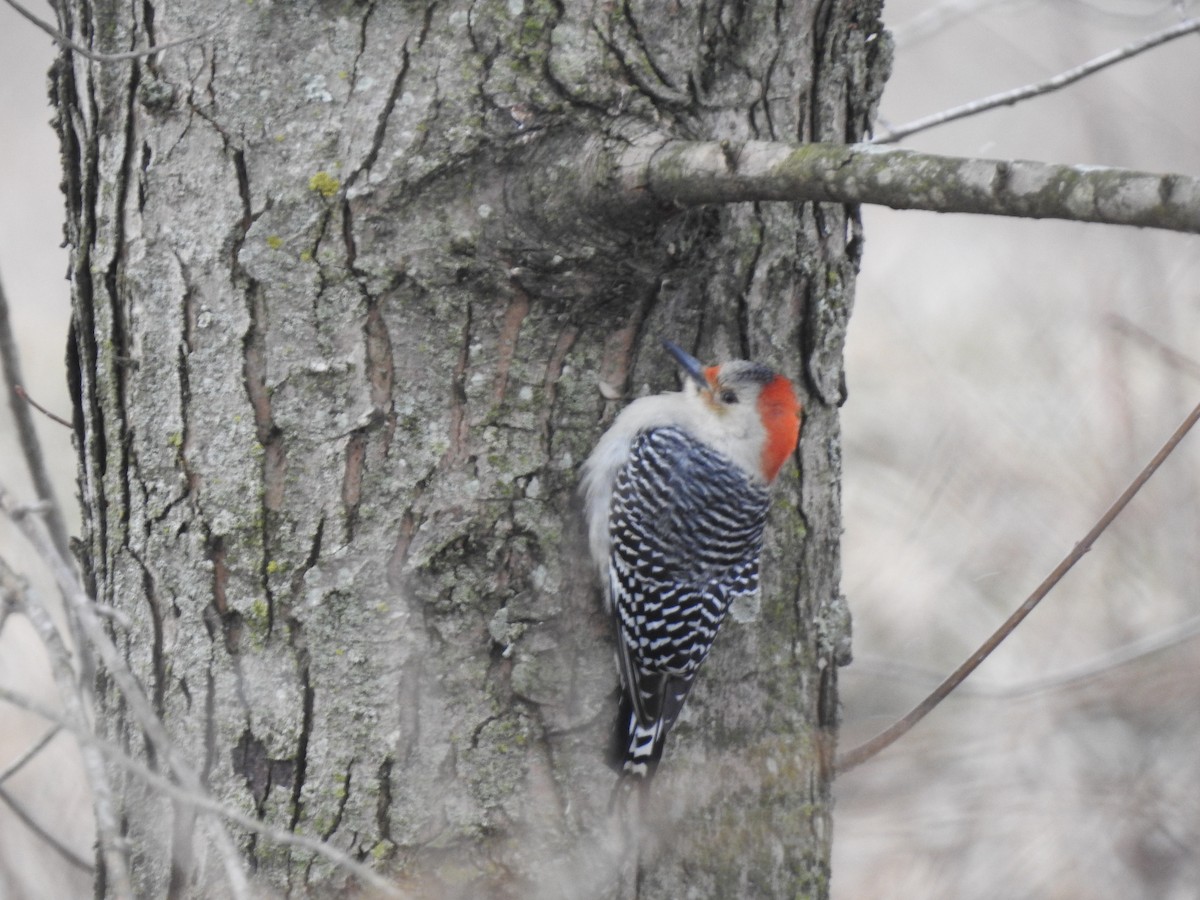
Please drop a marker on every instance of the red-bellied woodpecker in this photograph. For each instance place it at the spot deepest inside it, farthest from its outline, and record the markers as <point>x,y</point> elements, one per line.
<point>676,500</point>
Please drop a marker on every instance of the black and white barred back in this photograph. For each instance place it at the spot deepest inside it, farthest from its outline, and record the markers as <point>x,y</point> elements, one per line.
<point>687,528</point>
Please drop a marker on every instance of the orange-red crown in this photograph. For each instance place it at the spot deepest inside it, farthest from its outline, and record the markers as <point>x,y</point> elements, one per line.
<point>780,412</point>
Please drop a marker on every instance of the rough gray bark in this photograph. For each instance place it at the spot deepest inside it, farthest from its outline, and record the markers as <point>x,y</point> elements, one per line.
<point>342,297</point>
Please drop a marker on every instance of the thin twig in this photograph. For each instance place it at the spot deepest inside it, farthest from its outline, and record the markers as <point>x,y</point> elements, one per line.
<point>113,615</point>
<point>35,462</point>
<point>31,447</point>
<point>1168,353</point>
<point>22,814</point>
<point>1122,656</point>
<point>78,601</point>
<point>6,605</point>
<point>99,642</point>
<point>62,40</point>
<point>33,750</point>
<point>935,19</point>
<point>191,791</point>
<point>865,751</point>
<point>1059,81</point>
<point>199,798</point>
<point>24,395</point>
<point>239,884</point>
<point>108,829</point>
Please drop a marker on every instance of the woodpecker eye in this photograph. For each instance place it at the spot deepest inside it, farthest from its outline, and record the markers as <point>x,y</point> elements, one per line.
<point>728,396</point>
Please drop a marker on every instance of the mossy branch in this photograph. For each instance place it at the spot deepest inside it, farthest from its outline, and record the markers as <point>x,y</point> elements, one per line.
<point>692,173</point>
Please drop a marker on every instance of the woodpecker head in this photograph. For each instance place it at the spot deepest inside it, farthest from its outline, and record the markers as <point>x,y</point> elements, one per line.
<point>745,409</point>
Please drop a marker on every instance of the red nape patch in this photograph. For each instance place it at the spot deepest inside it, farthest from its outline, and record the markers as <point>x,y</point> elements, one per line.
<point>780,411</point>
<point>711,374</point>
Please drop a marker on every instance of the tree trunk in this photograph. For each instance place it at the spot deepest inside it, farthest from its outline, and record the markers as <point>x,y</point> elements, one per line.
<point>345,282</point>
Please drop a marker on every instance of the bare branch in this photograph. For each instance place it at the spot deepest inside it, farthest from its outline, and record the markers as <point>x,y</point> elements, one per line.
<point>98,640</point>
<point>1124,655</point>
<point>936,18</point>
<point>79,603</point>
<point>7,599</point>
<point>239,884</point>
<point>21,813</point>
<point>76,718</point>
<point>44,835</point>
<point>24,395</point>
<point>191,791</point>
<point>1168,354</point>
<point>63,41</point>
<point>31,447</point>
<point>201,799</point>
<point>1058,82</point>
<point>33,750</point>
<point>693,173</point>
<point>1121,656</point>
<point>863,752</point>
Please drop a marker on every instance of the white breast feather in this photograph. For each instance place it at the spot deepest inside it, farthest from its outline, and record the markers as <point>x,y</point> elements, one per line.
<point>738,434</point>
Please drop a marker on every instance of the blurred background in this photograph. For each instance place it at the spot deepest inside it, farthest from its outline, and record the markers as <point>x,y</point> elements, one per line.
<point>1007,379</point>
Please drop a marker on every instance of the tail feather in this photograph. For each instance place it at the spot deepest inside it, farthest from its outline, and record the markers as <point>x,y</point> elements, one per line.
<point>636,747</point>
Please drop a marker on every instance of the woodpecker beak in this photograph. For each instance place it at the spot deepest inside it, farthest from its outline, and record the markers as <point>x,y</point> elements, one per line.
<point>690,365</point>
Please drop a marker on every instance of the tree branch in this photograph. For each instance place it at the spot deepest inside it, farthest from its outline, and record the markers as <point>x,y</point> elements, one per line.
<point>47,837</point>
<point>1127,654</point>
<point>75,717</point>
<point>1058,82</point>
<point>863,752</point>
<point>191,790</point>
<point>692,173</point>
<point>33,750</point>
<point>24,395</point>
<point>63,41</point>
<point>200,798</point>
<point>936,18</point>
<point>74,695</point>
<point>1171,356</point>
<point>31,447</point>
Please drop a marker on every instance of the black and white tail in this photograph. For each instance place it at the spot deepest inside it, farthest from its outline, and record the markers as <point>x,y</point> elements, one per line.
<point>635,746</point>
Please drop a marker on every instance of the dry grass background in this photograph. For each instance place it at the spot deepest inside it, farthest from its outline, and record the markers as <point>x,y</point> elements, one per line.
<point>998,402</point>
